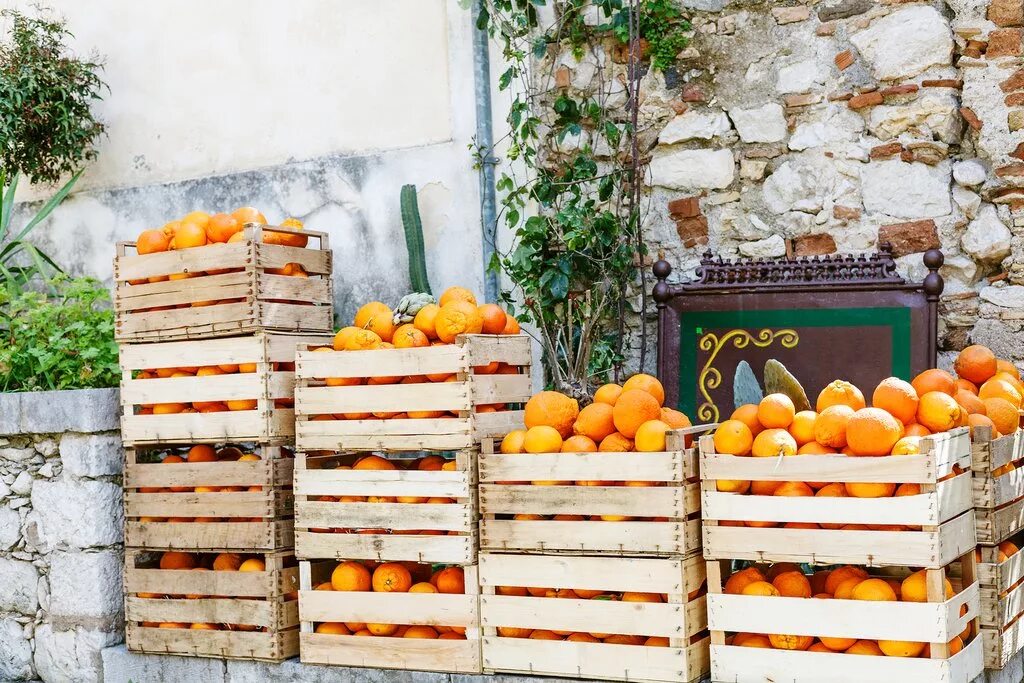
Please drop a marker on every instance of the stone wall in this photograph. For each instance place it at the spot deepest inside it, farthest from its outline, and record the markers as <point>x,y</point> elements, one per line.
<point>823,126</point>
<point>61,525</point>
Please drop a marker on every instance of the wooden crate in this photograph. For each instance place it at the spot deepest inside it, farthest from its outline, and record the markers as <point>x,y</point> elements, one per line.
<point>935,622</point>
<point>943,510</point>
<point>660,519</point>
<point>431,609</point>
<point>315,402</point>
<point>380,524</point>
<point>239,519</point>
<point>998,500</point>
<point>246,297</point>
<point>682,619</point>
<point>264,601</point>
<point>272,386</point>
<point>1002,605</point>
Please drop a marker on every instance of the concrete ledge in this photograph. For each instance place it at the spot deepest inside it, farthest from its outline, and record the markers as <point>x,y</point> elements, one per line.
<point>56,412</point>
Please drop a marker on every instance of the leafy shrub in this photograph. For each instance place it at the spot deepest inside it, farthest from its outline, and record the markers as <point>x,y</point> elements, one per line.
<point>59,340</point>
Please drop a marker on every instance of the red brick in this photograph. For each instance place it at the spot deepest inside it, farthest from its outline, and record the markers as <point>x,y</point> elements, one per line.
<point>974,48</point>
<point>828,29</point>
<point>692,231</point>
<point>1014,82</point>
<point>801,100</point>
<point>845,213</point>
<point>693,93</point>
<point>897,90</point>
<point>971,118</point>
<point>678,106</point>
<point>868,99</point>
<point>814,245</point>
<point>684,207</point>
<point>1006,12</point>
<point>1010,171</point>
<point>844,60</point>
<point>562,77</point>
<point>912,237</point>
<point>943,83</point>
<point>1014,99</point>
<point>1004,42</point>
<point>886,150</point>
<point>1019,152</point>
<point>840,97</point>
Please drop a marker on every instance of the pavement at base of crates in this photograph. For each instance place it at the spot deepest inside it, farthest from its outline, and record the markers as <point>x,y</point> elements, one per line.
<point>121,666</point>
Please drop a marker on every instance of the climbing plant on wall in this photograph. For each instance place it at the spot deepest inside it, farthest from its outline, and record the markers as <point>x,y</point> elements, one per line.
<point>571,188</point>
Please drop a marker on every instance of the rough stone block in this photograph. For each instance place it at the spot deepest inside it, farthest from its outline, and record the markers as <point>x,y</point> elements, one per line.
<point>86,588</point>
<point>1006,12</point>
<point>910,238</point>
<point>843,9</point>
<point>766,123</point>
<point>689,169</point>
<point>92,455</point>
<point>56,412</point>
<point>1004,42</point>
<point>72,655</point>
<point>77,514</point>
<point>15,652</point>
<point>10,528</point>
<point>814,245</point>
<point>293,670</point>
<point>122,666</point>
<point>18,579</point>
<point>906,190</point>
<point>905,43</point>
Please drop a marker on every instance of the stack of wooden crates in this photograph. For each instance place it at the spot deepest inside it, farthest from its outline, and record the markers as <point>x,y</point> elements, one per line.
<point>614,538</point>
<point>386,471</point>
<point>999,508</point>
<point>889,536</point>
<point>208,338</point>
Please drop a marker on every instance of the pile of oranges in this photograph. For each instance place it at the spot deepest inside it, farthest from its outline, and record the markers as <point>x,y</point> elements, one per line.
<point>847,582</point>
<point>204,562</point>
<point>204,453</point>
<point>585,594</point>
<point>456,313</point>
<point>428,463</point>
<point>988,392</point>
<point>394,577</point>
<point>208,406</point>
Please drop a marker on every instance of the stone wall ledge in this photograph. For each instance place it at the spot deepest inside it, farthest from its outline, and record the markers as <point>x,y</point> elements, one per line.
<point>55,412</point>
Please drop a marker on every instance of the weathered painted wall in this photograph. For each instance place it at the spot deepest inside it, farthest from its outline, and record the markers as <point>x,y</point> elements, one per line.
<point>319,110</point>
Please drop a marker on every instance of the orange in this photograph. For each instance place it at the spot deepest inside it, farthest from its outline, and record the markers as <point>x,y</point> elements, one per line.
<point>633,408</point>
<point>362,340</point>
<point>248,214</point>
<point>1000,388</point>
<point>916,429</point>
<point>773,442</point>
<point>542,439</point>
<point>741,579</point>
<point>408,337</point>
<point>794,489</point>
<point>979,420</point>
<point>675,419</point>
<point>1007,367</point>
<point>457,294</point>
<point>969,402</point>
<point>650,437</point>
<point>915,588</point>
<point>792,585</point>
<point>220,227</point>
<point>976,364</point>
<point>908,445</point>
<point>869,489</point>
<point>189,235</point>
<point>493,317</point>
<point>802,427</point>
<point>173,559</point>
<point>615,443</point>
<point>897,397</point>
<point>733,437</point>
<point>755,640</point>
<point>840,392</point>
<point>607,393</point>
<point>391,577</point>
<point>900,648</point>
<point>227,562</point>
<point>374,462</point>
<point>762,588</point>
<point>351,576</point>
<point>341,339</point>
<point>865,647</point>
<point>451,580</point>
<point>815,448</point>
<point>781,642</point>
<point>656,641</point>
<point>963,384</point>
<point>646,383</point>
<point>151,242</point>
<point>844,591</point>
<point>732,486</point>
<point>830,427</point>
<point>253,564</point>
<point>872,431</point>
<point>938,411</point>
<point>382,629</point>
<point>513,442</point>
<point>420,632</point>
<point>747,414</point>
<point>201,453</point>
<point>833,490</point>
<point>579,444</point>
<point>841,574</point>
<point>836,644</point>
<point>934,380</point>
<point>776,411</point>
<point>455,318</point>
<point>552,409</point>
<point>595,421</point>
<point>512,326</point>
<point>1008,548</point>
<point>425,320</point>
<point>876,590</point>
<point>376,317</point>
<point>1003,415</point>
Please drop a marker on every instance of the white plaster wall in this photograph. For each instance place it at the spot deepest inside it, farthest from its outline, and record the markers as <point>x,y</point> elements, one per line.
<point>319,109</point>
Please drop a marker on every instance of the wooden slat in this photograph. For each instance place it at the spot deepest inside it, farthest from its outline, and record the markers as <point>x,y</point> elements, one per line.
<point>657,501</point>
<point>389,608</point>
<point>663,466</point>
<point>453,396</point>
<point>486,389</point>
<point>431,360</point>
<point>244,536</point>
<point>404,516</point>
<point>441,484</point>
<point>194,260</point>
<point>386,547</point>
<point>273,647</point>
<point>612,574</point>
<point>458,656</point>
<point>619,538</point>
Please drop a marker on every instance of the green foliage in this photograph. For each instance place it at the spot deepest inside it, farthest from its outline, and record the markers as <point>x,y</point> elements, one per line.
<point>414,240</point>
<point>47,127</point>
<point>62,340</point>
<point>662,24</point>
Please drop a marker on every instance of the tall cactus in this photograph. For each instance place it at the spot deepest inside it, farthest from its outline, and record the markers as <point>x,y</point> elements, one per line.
<point>414,240</point>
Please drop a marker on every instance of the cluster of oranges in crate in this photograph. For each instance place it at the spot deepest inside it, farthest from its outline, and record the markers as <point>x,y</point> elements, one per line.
<point>208,406</point>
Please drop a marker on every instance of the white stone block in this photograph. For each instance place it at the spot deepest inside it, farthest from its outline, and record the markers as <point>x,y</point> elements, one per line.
<point>692,169</point>
<point>92,455</point>
<point>85,585</point>
<point>121,666</point>
<point>78,514</point>
<point>799,77</point>
<point>969,173</point>
<point>73,655</point>
<point>987,239</point>
<point>10,528</point>
<point>770,247</point>
<point>15,652</point>
<point>695,125</point>
<point>18,580</point>
<point>905,43</point>
<point>906,190</point>
<point>1008,297</point>
<point>766,123</point>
